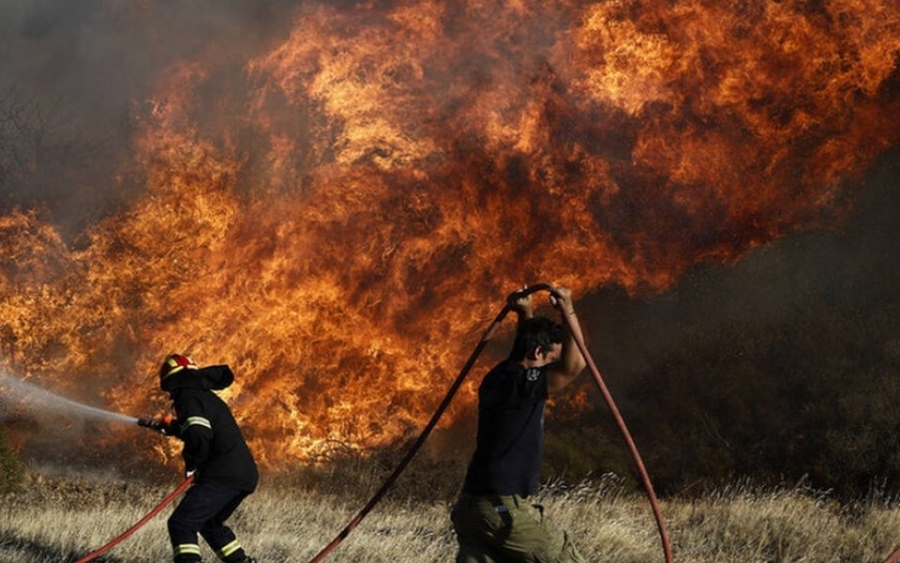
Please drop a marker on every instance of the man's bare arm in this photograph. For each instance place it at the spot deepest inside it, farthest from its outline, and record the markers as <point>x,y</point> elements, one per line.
<point>571,363</point>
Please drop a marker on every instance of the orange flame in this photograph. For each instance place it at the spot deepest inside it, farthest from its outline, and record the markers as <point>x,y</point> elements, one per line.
<point>340,218</point>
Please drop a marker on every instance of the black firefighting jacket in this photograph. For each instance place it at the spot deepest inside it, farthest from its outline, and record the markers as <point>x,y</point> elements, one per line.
<point>213,444</point>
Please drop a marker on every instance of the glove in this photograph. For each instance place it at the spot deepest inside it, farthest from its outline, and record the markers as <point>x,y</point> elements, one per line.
<point>167,426</point>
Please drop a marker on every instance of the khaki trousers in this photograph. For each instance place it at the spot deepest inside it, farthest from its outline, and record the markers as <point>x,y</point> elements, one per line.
<point>507,529</point>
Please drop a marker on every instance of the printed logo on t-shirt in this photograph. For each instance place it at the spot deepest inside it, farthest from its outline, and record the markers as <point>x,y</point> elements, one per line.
<point>532,374</point>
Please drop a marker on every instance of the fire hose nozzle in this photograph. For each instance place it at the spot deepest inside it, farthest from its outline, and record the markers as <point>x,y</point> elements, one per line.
<point>164,426</point>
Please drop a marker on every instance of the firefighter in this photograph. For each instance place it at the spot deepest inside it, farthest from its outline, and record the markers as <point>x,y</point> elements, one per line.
<point>215,453</point>
<point>494,519</point>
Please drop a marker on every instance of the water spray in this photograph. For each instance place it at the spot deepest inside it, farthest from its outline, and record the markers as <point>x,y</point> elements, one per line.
<point>41,398</point>
<point>38,397</point>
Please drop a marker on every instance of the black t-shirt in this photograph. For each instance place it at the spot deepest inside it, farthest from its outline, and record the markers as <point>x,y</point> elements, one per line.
<point>510,442</point>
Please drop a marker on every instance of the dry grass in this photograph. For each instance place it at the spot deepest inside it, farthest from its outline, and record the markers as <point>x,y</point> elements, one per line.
<point>61,520</point>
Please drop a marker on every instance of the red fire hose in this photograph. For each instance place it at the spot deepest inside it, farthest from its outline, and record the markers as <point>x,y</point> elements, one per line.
<point>648,486</point>
<point>893,557</point>
<point>488,334</point>
<point>118,539</point>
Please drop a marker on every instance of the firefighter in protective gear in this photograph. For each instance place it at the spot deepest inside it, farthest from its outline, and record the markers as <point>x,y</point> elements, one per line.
<point>215,453</point>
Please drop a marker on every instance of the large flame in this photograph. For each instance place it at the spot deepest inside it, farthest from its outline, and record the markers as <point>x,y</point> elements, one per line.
<point>339,218</point>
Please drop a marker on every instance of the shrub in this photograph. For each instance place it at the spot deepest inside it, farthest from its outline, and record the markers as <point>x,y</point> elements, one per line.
<point>12,470</point>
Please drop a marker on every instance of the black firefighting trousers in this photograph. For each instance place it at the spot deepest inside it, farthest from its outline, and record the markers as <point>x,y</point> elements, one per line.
<point>204,510</point>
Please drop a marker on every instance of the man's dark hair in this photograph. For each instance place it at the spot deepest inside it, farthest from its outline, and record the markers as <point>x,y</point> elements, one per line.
<point>535,332</point>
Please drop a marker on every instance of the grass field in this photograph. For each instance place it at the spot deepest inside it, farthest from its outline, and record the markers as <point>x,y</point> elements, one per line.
<point>53,519</point>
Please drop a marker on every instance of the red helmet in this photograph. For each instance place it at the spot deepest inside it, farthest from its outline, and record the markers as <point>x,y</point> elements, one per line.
<point>173,364</point>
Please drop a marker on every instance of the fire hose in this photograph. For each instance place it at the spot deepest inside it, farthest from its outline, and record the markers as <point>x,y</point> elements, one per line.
<point>488,334</point>
<point>894,557</point>
<point>118,539</point>
<point>645,478</point>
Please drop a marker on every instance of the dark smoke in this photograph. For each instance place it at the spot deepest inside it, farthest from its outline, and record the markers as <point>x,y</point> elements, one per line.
<point>70,76</point>
<point>782,367</point>
<point>853,268</point>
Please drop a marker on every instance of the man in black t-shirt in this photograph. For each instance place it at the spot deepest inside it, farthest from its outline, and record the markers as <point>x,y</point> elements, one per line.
<point>493,520</point>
